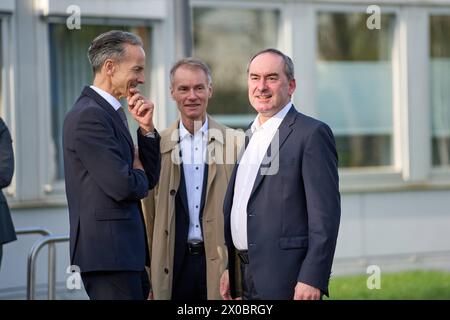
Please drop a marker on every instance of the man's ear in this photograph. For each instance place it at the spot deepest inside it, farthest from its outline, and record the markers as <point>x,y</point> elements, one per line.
<point>210,90</point>
<point>109,67</point>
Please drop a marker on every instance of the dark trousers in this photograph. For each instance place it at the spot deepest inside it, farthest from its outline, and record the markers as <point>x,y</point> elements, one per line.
<point>116,285</point>
<point>248,286</point>
<point>190,282</point>
<point>1,254</point>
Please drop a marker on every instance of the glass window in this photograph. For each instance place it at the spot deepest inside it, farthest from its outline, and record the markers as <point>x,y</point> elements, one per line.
<point>71,71</point>
<point>226,39</point>
<point>354,86</point>
<point>439,88</point>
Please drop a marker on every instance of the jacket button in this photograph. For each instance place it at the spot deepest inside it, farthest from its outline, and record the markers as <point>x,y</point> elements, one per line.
<point>166,271</point>
<point>166,232</point>
<point>173,192</point>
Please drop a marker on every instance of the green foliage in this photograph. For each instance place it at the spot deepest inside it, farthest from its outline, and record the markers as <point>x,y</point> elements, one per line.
<point>410,285</point>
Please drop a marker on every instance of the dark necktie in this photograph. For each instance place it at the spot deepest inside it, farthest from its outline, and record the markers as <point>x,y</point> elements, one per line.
<point>123,117</point>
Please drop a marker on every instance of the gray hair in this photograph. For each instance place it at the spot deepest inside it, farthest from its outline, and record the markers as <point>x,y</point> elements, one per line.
<point>192,63</point>
<point>288,64</point>
<point>110,45</point>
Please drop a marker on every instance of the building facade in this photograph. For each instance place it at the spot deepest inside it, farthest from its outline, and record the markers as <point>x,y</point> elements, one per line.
<point>378,72</point>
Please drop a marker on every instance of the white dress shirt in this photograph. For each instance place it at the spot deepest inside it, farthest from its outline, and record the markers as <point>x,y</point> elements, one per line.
<point>193,153</point>
<point>108,97</point>
<point>247,171</point>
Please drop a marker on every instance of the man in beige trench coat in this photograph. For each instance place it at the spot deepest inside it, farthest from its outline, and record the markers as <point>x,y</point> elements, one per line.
<point>183,214</point>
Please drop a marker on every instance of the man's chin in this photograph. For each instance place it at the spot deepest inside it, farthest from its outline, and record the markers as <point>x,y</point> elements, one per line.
<point>263,108</point>
<point>193,116</point>
<point>192,112</point>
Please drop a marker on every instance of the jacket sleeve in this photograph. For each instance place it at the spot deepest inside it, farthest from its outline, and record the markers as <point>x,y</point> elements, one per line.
<point>321,182</point>
<point>150,156</point>
<point>6,156</point>
<point>102,155</point>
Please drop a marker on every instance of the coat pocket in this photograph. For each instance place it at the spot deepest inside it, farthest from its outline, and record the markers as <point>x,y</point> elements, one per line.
<point>293,242</point>
<point>113,214</point>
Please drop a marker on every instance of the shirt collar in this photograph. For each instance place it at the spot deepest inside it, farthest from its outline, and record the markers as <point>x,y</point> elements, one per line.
<point>278,117</point>
<point>108,97</point>
<point>184,132</point>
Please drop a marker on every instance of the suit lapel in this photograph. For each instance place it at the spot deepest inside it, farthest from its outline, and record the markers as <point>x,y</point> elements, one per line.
<point>283,133</point>
<point>182,191</point>
<point>170,143</point>
<point>171,148</point>
<point>214,149</point>
<point>205,187</point>
<point>229,195</point>
<point>108,108</point>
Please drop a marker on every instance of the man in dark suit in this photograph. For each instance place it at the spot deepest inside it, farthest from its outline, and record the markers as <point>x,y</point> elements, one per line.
<point>106,176</point>
<point>7,233</point>
<point>282,206</point>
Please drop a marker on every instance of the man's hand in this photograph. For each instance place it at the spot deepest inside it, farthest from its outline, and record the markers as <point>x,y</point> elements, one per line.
<point>306,292</point>
<point>225,286</point>
<point>150,295</point>
<point>137,164</point>
<point>141,109</point>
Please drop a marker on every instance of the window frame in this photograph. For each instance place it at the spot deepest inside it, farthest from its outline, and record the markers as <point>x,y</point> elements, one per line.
<point>33,185</point>
<point>398,175</point>
<point>439,175</point>
<point>36,186</point>
<point>242,120</point>
<point>56,189</point>
<point>411,167</point>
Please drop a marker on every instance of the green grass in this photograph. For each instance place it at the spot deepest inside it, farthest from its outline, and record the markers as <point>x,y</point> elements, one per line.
<point>394,286</point>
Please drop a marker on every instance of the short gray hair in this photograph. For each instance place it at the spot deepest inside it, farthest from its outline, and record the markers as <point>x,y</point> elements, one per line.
<point>288,64</point>
<point>110,45</point>
<point>192,63</point>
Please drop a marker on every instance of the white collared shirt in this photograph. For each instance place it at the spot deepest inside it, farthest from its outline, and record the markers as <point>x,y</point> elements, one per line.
<point>247,171</point>
<point>193,153</point>
<point>108,97</point>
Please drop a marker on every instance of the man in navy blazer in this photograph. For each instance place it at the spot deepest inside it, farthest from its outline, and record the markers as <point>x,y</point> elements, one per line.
<point>106,176</point>
<point>7,233</point>
<point>282,206</point>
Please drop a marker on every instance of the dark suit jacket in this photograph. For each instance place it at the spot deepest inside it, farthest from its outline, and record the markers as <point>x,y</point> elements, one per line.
<point>7,233</point>
<point>103,190</point>
<point>292,216</point>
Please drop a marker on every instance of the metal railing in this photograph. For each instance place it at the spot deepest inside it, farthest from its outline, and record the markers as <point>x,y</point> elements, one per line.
<point>33,230</point>
<point>47,239</point>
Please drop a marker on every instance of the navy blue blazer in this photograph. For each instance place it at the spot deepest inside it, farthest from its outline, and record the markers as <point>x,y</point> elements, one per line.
<point>292,216</point>
<point>103,190</point>
<point>7,233</point>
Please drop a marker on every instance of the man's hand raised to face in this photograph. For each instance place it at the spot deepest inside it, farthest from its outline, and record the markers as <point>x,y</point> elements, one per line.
<point>141,109</point>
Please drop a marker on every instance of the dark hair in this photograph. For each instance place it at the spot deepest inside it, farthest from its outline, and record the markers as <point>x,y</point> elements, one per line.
<point>110,45</point>
<point>191,63</point>
<point>288,64</point>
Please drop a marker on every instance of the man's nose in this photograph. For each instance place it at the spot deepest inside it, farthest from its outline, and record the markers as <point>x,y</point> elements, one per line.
<point>261,85</point>
<point>141,79</point>
<point>192,95</point>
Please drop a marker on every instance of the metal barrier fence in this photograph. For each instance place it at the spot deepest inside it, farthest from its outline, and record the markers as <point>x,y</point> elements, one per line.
<point>47,239</point>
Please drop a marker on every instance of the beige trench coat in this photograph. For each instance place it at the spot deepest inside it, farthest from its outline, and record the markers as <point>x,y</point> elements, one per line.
<point>159,208</point>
